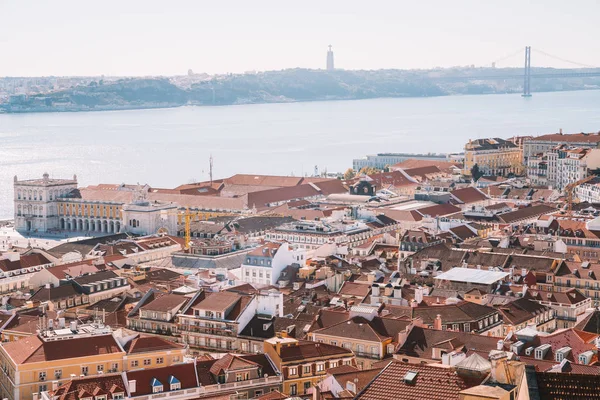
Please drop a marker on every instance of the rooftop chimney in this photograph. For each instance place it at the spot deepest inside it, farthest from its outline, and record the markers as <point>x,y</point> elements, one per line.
<point>437,323</point>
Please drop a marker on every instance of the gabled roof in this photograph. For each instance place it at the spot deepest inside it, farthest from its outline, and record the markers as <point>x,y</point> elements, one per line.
<point>431,382</point>
<point>81,388</point>
<point>229,363</point>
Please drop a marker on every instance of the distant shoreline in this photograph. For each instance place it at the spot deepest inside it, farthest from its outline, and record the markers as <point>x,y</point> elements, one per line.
<point>4,108</point>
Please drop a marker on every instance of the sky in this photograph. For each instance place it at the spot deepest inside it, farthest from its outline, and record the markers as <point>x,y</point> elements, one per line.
<point>148,37</point>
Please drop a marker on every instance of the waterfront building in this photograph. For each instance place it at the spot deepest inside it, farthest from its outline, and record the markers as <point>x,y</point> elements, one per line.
<point>493,156</point>
<point>381,160</point>
<point>36,202</point>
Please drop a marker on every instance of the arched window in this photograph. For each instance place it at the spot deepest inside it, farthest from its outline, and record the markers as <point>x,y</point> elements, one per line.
<point>19,194</point>
<point>29,194</point>
<point>50,194</point>
<point>41,195</point>
<point>19,210</point>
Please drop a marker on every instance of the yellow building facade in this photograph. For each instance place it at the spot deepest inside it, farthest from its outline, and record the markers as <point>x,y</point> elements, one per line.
<point>36,363</point>
<point>493,157</point>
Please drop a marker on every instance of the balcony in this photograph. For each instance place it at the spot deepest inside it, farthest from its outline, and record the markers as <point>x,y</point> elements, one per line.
<point>364,354</point>
<point>206,330</point>
<point>214,390</point>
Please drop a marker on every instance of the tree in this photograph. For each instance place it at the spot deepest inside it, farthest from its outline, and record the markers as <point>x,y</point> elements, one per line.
<point>476,173</point>
<point>368,170</point>
<point>349,174</point>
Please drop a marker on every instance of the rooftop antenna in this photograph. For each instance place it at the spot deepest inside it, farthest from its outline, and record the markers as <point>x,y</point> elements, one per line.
<point>210,171</point>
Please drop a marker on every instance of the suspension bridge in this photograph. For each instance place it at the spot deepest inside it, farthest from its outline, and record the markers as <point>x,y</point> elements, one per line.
<point>582,71</point>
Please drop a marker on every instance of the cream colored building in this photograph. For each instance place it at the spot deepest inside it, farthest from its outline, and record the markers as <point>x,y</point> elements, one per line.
<point>493,156</point>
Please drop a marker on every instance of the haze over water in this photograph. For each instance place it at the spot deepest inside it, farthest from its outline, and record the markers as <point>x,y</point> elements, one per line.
<point>169,147</point>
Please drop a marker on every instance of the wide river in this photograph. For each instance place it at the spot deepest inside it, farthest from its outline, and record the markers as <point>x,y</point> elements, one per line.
<point>168,147</point>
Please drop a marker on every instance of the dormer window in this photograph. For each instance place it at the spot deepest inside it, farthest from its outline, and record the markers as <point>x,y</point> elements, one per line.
<point>174,383</point>
<point>157,387</point>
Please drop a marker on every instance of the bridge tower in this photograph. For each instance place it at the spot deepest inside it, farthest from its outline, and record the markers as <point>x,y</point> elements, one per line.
<point>527,73</point>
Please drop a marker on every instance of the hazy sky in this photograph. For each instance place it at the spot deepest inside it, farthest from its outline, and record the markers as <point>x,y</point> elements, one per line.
<point>146,37</point>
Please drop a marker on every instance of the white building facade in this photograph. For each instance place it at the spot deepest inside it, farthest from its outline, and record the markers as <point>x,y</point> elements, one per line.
<point>264,264</point>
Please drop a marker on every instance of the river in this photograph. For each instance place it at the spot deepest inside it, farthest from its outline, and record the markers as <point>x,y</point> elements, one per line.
<point>168,147</point>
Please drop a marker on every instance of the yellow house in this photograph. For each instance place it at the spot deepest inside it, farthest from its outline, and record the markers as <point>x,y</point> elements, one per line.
<point>37,363</point>
<point>493,157</point>
<point>304,364</point>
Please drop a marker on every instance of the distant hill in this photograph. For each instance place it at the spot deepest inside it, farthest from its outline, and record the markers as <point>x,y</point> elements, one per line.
<point>291,85</point>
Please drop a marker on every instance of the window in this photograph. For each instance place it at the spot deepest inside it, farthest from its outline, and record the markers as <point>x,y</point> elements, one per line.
<point>42,376</point>
<point>157,389</point>
<point>58,373</point>
<point>293,389</point>
<point>147,361</point>
<point>100,367</point>
<point>320,367</point>
<point>333,364</point>
<point>467,327</point>
<point>306,387</point>
<point>455,327</point>
<point>42,388</point>
<point>293,371</point>
<point>114,367</point>
<point>159,360</point>
<point>118,396</point>
<point>134,363</point>
<point>307,369</point>
<point>333,343</point>
<point>84,370</point>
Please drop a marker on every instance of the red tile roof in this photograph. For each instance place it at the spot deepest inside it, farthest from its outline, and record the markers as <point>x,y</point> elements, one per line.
<point>32,349</point>
<point>31,260</point>
<point>438,210</point>
<point>569,138</point>
<point>468,195</point>
<point>144,344</point>
<point>81,388</point>
<point>431,383</point>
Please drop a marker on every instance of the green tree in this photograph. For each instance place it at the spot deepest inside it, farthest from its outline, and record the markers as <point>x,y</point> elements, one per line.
<point>476,173</point>
<point>368,170</point>
<point>349,174</point>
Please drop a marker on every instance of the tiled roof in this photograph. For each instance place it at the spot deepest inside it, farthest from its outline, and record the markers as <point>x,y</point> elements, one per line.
<point>569,138</point>
<point>184,373</point>
<point>377,330</point>
<point>525,213</point>
<point>462,312</point>
<point>418,163</point>
<point>32,349</point>
<point>55,293</point>
<point>355,289</point>
<point>468,195</point>
<point>306,350</point>
<point>72,270</point>
<point>144,344</point>
<point>219,301</point>
<point>420,341</point>
<point>230,362</point>
<point>165,303</point>
<point>521,310</point>
<point>82,388</point>
<point>432,383</point>
<point>267,250</point>
<point>26,261</point>
<point>439,210</point>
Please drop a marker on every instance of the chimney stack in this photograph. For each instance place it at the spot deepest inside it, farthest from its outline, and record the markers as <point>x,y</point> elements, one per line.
<point>437,323</point>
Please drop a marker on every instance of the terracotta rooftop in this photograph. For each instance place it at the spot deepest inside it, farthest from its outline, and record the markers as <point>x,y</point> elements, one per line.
<point>83,388</point>
<point>402,381</point>
<point>468,195</point>
<point>32,349</point>
<point>165,303</point>
<point>144,344</point>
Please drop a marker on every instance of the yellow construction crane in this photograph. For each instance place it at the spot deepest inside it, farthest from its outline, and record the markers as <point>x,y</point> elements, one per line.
<point>569,191</point>
<point>186,217</point>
